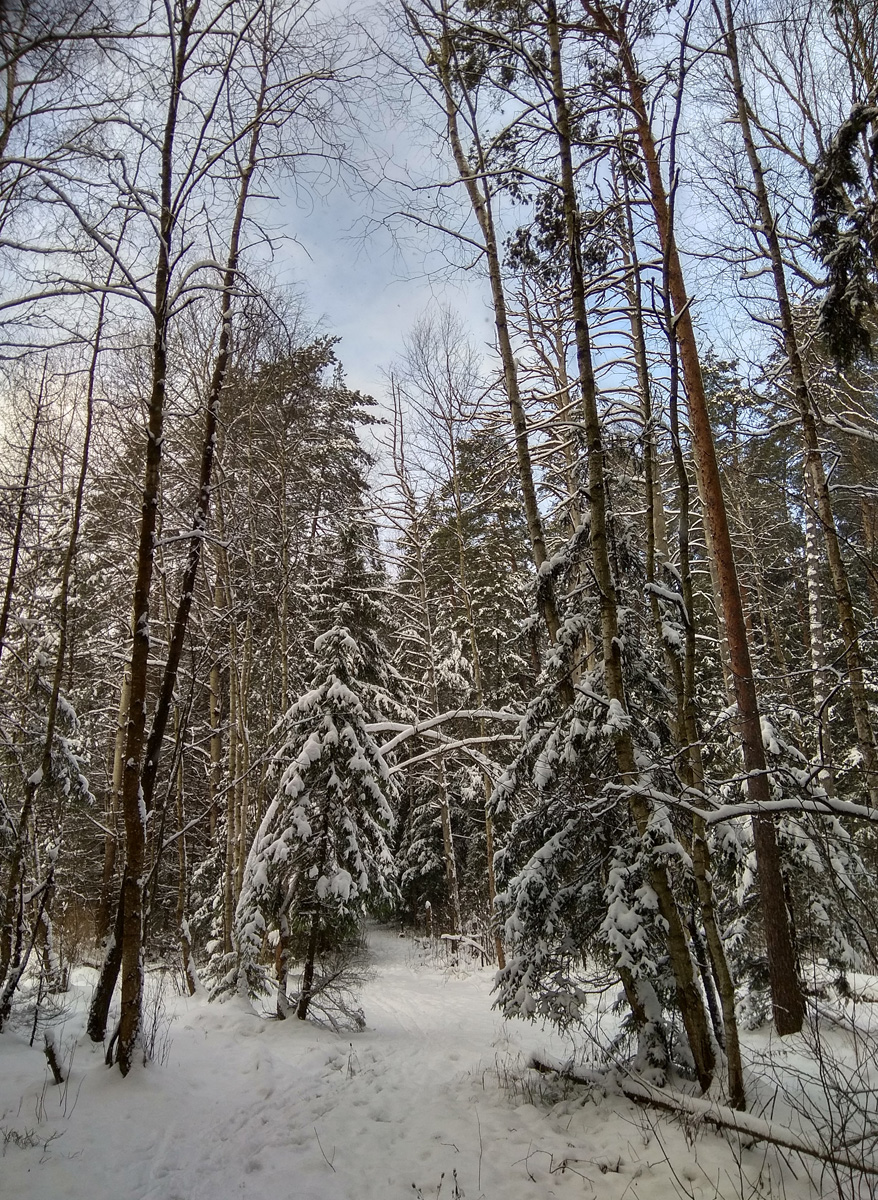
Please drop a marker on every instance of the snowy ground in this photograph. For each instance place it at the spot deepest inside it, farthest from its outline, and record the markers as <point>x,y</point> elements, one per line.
<point>244,1107</point>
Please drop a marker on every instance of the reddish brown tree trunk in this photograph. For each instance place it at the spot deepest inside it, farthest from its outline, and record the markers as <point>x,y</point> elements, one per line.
<point>786,991</point>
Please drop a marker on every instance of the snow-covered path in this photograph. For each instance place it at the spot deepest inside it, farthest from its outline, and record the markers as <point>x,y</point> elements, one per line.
<point>245,1107</point>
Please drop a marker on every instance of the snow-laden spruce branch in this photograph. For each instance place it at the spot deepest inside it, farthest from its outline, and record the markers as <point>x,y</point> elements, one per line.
<point>486,765</point>
<point>823,806</point>
<point>426,728</point>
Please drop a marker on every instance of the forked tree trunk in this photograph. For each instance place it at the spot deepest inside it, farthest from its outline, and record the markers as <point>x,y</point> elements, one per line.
<point>99,1008</point>
<point>201,515</point>
<point>132,804</point>
<point>139,780</point>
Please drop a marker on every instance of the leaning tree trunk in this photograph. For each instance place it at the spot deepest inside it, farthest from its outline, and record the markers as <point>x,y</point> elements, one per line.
<point>476,181</point>
<point>687,731</point>
<point>688,993</point>
<point>786,992</point>
<point>694,768</point>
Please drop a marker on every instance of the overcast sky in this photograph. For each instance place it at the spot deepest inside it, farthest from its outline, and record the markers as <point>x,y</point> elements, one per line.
<point>368,292</point>
<point>360,281</point>
<point>368,285</point>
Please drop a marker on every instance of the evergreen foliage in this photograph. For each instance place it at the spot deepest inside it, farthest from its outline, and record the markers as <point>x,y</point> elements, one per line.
<point>321,853</point>
<point>844,233</point>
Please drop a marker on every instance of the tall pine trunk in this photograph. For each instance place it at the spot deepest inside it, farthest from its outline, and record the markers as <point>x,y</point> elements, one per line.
<point>687,731</point>
<point>786,991</point>
<point>476,180</point>
<point>688,994</point>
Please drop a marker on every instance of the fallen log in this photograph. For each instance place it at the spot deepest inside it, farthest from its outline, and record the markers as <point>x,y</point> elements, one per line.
<point>718,1115</point>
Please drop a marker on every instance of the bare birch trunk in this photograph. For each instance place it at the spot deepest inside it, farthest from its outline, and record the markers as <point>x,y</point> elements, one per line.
<point>230,875</point>
<point>819,676</point>
<point>12,912</point>
<point>19,520</point>
<point>183,886</point>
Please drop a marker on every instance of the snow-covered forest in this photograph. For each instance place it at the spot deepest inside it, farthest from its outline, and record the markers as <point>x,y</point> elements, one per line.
<point>531,699</point>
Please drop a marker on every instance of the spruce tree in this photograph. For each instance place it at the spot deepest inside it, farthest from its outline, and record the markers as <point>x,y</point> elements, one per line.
<point>321,853</point>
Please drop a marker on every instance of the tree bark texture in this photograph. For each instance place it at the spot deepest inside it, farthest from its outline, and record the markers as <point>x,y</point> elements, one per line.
<point>133,806</point>
<point>478,191</point>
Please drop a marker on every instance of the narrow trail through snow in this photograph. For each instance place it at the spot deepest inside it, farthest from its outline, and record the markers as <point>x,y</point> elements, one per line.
<point>245,1107</point>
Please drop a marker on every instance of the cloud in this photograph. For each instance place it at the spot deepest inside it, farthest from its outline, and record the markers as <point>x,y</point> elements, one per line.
<point>366,288</point>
